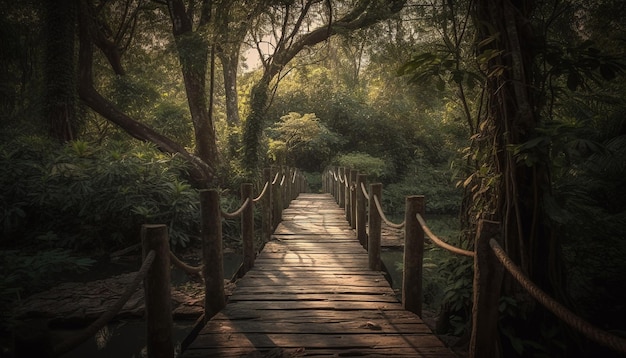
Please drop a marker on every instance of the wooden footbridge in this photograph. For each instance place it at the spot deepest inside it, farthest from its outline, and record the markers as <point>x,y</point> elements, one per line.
<point>316,287</point>
<point>311,293</point>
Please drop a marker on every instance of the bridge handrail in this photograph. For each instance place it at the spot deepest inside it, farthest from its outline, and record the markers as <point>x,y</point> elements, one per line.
<point>190,270</point>
<point>384,218</point>
<point>262,194</point>
<point>437,241</point>
<point>589,330</point>
<point>364,191</point>
<point>235,214</point>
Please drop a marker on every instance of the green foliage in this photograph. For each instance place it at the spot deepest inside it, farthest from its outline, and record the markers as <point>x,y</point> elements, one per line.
<point>457,273</point>
<point>434,182</point>
<point>173,121</point>
<point>376,169</point>
<point>301,140</point>
<point>84,197</point>
<point>440,67</point>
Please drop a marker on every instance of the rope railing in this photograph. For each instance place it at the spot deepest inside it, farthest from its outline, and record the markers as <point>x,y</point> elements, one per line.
<point>364,191</point>
<point>262,194</point>
<point>190,270</point>
<point>441,243</point>
<point>235,214</point>
<point>590,331</point>
<point>74,341</point>
<point>275,178</point>
<point>384,218</point>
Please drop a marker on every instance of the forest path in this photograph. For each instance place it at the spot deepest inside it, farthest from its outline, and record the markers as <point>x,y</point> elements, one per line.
<point>310,293</point>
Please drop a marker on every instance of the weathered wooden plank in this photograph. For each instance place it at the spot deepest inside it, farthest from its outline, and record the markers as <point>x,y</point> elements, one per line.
<point>329,290</point>
<point>308,273</point>
<point>319,316</point>
<point>315,352</point>
<point>305,326</point>
<point>242,295</point>
<point>319,282</point>
<point>313,305</point>
<point>290,340</point>
<point>311,279</point>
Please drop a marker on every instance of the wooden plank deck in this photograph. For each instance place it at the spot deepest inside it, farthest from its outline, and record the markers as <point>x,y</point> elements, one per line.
<point>310,293</point>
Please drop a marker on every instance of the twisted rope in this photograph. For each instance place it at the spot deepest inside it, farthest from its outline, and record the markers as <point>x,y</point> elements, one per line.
<point>275,178</point>
<point>191,270</point>
<point>590,331</point>
<point>335,177</point>
<point>104,318</point>
<point>282,180</point>
<point>365,194</point>
<point>441,243</point>
<point>238,212</point>
<point>262,192</point>
<point>382,216</point>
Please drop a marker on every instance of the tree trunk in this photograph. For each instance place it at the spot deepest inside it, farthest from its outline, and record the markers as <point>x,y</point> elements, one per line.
<point>230,63</point>
<point>201,172</point>
<point>193,53</point>
<point>512,114</point>
<point>60,69</point>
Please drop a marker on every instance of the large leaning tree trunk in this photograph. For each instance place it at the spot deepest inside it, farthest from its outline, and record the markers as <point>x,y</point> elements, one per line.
<point>515,196</point>
<point>90,35</point>
<point>193,52</point>
<point>292,42</point>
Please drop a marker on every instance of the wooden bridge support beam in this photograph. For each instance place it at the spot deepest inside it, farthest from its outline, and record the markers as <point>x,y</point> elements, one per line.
<point>286,183</point>
<point>157,292</point>
<point>353,174</point>
<point>374,234</point>
<point>277,201</point>
<point>361,233</point>
<point>488,273</point>
<point>266,205</point>
<point>212,252</point>
<point>247,227</point>
<point>340,194</point>
<point>413,255</point>
<point>346,193</point>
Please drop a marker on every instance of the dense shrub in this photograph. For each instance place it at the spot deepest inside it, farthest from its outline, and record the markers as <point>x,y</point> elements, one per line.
<point>377,169</point>
<point>84,197</point>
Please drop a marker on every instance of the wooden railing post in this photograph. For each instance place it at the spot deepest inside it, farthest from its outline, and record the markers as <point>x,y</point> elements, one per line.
<point>285,189</point>
<point>294,184</point>
<point>374,234</point>
<point>353,175</point>
<point>360,210</point>
<point>247,227</point>
<point>266,213</point>
<point>212,252</point>
<point>157,292</point>
<point>288,187</point>
<point>278,200</point>
<point>341,188</point>
<point>488,273</point>
<point>346,194</point>
<point>413,255</point>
